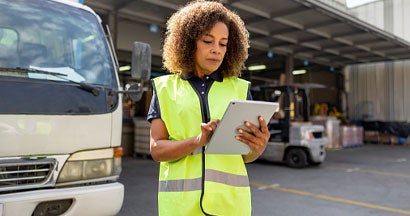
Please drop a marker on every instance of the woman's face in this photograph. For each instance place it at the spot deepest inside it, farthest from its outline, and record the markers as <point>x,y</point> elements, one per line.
<point>210,50</point>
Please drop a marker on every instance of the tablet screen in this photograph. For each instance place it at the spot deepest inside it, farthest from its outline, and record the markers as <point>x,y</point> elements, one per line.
<point>223,140</point>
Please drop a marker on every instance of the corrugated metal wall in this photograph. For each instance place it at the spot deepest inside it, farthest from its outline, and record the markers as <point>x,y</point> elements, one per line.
<point>401,16</point>
<point>372,13</point>
<point>381,91</point>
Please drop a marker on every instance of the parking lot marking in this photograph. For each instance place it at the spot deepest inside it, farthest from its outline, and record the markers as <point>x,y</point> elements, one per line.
<point>372,172</point>
<point>331,198</point>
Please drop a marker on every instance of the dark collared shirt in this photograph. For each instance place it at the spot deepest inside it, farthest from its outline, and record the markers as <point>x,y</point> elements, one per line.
<point>201,86</point>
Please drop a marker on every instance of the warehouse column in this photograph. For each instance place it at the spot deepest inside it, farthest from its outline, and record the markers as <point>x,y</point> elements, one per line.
<point>289,69</point>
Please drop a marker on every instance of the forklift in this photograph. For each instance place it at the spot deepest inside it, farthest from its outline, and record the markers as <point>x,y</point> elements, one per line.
<point>293,139</point>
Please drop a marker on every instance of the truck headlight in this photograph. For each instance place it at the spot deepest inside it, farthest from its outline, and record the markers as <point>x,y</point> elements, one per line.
<point>93,164</point>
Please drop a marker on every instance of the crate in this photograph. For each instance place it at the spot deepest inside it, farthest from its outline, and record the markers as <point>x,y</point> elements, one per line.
<point>371,136</point>
<point>141,137</point>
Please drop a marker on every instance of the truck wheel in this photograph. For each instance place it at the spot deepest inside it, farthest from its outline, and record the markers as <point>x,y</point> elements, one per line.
<point>296,158</point>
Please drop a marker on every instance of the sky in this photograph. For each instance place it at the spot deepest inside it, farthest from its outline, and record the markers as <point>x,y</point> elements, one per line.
<point>354,3</point>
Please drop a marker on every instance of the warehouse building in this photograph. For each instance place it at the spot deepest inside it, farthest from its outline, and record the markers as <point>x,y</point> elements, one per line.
<point>357,56</point>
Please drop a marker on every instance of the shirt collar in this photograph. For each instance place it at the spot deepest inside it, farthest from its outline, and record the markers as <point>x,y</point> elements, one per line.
<point>216,76</point>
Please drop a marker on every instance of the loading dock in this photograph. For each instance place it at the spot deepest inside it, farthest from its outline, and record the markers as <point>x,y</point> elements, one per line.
<point>285,35</point>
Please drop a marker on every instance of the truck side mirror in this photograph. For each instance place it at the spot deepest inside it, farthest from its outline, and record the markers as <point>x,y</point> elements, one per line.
<point>140,69</point>
<point>141,61</point>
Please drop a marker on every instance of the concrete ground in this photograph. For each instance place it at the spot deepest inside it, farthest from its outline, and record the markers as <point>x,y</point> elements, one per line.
<point>371,179</point>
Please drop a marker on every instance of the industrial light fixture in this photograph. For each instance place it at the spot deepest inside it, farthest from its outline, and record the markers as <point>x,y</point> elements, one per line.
<point>153,28</point>
<point>256,67</point>
<point>125,68</point>
<point>305,62</point>
<point>298,72</point>
<point>270,54</point>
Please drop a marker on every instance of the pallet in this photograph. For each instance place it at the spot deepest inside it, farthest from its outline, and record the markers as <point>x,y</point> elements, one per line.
<point>353,146</point>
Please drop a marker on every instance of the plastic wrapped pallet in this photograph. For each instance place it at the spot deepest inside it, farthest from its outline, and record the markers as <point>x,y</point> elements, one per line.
<point>346,136</point>
<point>332,129</point>
<point>358,139</point>
<point>351,136</point>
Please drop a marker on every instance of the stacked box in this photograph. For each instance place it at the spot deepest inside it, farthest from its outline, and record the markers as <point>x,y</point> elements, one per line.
<point>371,136</point>
<point>384,138</point>
<point>141,136</point>
<point>127,138</point>
<point>346,136</point>
<point>332,129</point>
<point>333,134</point>
<point>358,138</point>
<point>351,135</point>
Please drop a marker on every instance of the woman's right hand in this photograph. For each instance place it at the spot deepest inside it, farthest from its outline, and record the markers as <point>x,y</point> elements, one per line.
<point>163,149</point>
<point>207,130</point>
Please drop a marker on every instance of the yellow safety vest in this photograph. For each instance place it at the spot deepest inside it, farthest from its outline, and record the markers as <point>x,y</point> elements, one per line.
<point>226,188</point>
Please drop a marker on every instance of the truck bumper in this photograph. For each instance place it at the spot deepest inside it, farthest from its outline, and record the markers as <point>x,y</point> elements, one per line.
<point>105,199</point>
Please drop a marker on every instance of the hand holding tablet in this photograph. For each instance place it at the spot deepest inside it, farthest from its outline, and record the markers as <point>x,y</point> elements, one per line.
<point>223,140</point>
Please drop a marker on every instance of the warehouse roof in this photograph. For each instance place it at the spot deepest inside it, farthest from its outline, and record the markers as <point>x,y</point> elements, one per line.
<point>305,29</point>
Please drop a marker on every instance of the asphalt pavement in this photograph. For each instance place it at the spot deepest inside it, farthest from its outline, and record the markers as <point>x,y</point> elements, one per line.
<point>368,180</point>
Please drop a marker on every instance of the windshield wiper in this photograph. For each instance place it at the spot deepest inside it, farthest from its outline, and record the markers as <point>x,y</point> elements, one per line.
<point>87,87</point>
<point>30,70</point>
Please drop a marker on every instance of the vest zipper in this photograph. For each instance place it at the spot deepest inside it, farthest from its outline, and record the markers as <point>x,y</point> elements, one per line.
<point>205,118</point>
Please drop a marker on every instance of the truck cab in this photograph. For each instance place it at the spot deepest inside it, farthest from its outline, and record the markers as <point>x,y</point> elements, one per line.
<point>60,111</point>
<point>293,140</point>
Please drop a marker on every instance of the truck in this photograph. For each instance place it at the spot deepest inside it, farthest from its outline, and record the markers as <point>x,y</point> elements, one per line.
<point>294,140</point>
<point>61,110</point>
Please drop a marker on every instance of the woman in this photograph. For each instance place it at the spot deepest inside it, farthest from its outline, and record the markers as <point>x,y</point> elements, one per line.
<point>205,48</point>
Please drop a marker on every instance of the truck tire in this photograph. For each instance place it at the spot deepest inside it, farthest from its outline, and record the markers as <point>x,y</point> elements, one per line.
<point>296,158</point>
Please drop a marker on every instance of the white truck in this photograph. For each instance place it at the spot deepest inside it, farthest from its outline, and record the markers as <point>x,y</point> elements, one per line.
<point>61,110</point>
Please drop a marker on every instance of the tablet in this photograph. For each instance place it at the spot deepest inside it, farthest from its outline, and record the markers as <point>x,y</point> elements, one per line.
<point>223,140</point>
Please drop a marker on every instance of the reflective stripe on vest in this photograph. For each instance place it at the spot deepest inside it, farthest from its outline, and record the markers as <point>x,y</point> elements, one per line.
<point>227,189</point>
<point>196,184</point>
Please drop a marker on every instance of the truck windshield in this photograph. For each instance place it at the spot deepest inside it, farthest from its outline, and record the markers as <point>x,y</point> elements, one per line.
<point>50,36</point>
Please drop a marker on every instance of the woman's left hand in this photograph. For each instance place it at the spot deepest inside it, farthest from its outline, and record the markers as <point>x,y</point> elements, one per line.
<point>256,138</point>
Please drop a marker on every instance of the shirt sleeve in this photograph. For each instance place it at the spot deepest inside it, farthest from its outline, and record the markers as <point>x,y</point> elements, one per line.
<point>153,111</point>
<point>249,97</point>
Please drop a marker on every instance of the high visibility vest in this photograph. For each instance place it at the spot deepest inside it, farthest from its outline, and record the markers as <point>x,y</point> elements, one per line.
<point>226,188</point>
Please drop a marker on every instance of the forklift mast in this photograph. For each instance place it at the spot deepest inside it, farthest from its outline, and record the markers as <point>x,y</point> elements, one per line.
<point>293,107</point>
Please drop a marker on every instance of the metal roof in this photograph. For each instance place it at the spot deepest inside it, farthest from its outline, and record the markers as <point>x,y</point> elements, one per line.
<point>305,29</point>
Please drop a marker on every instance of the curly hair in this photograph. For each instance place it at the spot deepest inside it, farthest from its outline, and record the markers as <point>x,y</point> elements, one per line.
<point>193,20</point>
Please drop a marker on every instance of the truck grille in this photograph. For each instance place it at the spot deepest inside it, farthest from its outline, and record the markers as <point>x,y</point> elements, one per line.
<point>16,174</point>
